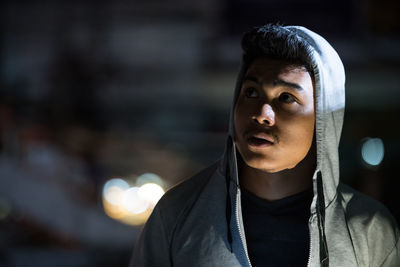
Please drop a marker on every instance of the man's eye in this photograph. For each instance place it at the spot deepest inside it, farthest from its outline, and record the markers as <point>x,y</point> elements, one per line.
<point>286,98</point>
<point>251,92</point>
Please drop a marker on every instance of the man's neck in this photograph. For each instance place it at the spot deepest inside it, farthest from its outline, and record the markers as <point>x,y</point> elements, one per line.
<point>278,185</point>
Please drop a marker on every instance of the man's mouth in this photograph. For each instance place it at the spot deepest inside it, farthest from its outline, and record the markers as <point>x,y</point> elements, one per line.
<point>260,140</point>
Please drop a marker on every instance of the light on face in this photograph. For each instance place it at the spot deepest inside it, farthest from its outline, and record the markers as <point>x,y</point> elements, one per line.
<point>372,151</point>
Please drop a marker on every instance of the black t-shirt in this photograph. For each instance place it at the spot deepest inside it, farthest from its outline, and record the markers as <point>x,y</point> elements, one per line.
<point>277,232</point>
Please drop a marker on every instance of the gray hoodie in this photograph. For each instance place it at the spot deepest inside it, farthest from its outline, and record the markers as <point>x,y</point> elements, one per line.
<point>199,222</point>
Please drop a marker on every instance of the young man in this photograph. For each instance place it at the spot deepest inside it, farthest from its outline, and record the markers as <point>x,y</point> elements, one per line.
<point>274,199</point>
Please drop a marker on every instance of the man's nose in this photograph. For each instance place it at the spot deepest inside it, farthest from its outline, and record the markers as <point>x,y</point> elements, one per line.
<point>266,116</point>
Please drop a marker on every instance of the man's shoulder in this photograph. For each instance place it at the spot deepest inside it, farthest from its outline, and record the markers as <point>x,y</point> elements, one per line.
<point>189,187</point>
<point>179,199</point>
<point>364,207</point>
<point>370,222</point>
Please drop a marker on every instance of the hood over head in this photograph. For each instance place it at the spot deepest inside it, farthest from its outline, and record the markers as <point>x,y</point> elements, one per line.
<point>329,97</point>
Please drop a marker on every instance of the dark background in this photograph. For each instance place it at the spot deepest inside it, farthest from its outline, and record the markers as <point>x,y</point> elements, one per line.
<point>91,90</point>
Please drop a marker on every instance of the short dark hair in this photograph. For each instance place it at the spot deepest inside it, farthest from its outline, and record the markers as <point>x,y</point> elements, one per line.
<point>273,41</point>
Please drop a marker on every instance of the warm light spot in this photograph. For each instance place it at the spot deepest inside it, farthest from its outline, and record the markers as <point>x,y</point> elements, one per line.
<point>133,202</point>
<point>136,219</point>
<point>151,193</point>
<point>114,211</point>
<point>114,195</point>
<point>132,205</point>
<point>114,189</point>
<point>146,178</point>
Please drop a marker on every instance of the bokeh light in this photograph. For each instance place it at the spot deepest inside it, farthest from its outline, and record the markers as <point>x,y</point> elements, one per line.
<point>113,190</point>
<point>132,204</point>
<point>151,193</point>
<point>149,178</point>
<point>372,151</point>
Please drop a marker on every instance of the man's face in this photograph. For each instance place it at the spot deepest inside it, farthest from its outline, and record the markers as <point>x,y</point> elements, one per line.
<point>274,115</point>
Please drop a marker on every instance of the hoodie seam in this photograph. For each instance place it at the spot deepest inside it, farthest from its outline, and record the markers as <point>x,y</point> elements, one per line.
<point>332,201</point>
<point>342,204</point>
<point>390,252</point>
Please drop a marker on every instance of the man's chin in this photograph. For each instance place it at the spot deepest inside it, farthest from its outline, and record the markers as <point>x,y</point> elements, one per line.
<point>259,162</point>
<point>267,167</point>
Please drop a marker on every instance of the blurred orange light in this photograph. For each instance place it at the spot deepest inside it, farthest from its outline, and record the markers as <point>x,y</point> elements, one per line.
<point>131,205</point>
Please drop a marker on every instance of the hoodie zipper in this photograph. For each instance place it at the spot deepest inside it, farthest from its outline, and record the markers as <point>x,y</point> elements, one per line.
<point>309,234</point>
<point>242,237</point>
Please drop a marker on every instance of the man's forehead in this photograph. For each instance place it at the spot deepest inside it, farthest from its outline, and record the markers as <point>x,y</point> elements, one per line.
<point>279,72</point>
<point>274,66</point>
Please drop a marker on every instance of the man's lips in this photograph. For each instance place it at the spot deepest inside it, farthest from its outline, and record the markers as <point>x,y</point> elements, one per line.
<point>260,139</point>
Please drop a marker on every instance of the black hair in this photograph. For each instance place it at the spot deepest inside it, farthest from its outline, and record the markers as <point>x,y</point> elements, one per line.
<point>273,41</point>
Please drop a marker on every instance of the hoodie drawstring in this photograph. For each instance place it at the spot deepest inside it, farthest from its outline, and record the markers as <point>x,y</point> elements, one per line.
<point>323,248</point>
<point>228,209</point>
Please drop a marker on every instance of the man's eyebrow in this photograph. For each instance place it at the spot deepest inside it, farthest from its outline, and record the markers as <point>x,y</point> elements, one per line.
<point>276,82</point>
<point>288,84</point>
<point>251,78</point>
